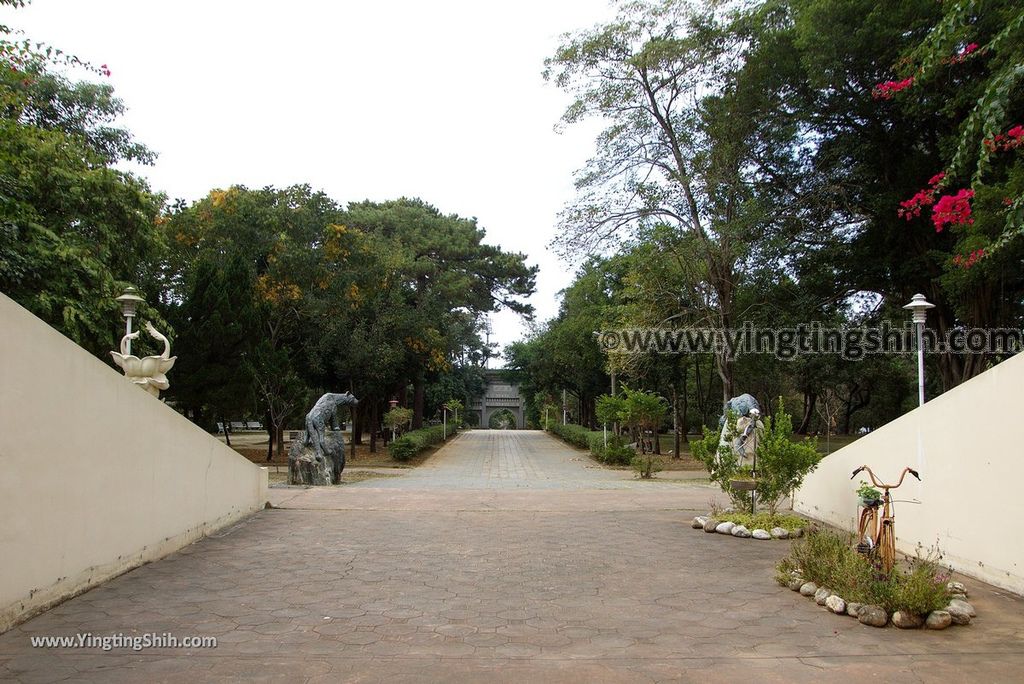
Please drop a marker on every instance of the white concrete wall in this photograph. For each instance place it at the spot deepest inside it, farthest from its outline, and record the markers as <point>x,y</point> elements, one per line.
<point>96,476</point>
<point>968,445</point>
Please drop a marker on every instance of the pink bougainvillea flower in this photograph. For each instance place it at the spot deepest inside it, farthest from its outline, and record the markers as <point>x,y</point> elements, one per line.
<point>911,208</point>
<point>888,90</point>
<point>953,210</point>
<point>1000,143</point>
<point>970,260</point>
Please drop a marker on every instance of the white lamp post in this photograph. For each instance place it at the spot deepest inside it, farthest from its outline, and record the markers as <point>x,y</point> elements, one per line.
<point>129,302</point>
<point>919,307</point>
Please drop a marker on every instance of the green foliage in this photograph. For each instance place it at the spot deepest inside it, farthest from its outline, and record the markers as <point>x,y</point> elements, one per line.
<point>829,560</point>
<point>398,417</point>
<point>646,465</point>
<point>576,435</point>
<point>609,408</point>
<point>412,443</point>
<point>765,521</point>
<point>782,464</point>
<point>74,230</point>
<point>868,493</point>
<point>617,453</point>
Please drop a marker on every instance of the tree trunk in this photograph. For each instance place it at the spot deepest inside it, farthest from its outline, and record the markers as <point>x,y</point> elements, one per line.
<point>280,437</point>
<point>373,427</point>
<point>810,399</point>
<point>684,415</point>
<point>267,425</point>
<point>863,398</point>
<point>418,399</point>
<point>357,424</point>
<point>675,422</point>
<point>227,432</point>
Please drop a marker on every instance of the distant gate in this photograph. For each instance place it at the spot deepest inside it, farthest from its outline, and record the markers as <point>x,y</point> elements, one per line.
<point>499,394</point>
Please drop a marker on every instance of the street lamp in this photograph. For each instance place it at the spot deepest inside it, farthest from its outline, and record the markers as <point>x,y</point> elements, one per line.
<point>129,302</point>
<point>919,307</point>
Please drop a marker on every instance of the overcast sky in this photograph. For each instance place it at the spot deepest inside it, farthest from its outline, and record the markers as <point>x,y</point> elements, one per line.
<point>441,100</point>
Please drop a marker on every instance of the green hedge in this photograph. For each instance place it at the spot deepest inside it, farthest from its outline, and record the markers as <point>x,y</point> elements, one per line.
<point>616,453</point>
<point>576,435</point>
<point>411,443</point>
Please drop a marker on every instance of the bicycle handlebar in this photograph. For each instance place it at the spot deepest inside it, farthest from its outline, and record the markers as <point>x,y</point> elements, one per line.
<point>875,482</point>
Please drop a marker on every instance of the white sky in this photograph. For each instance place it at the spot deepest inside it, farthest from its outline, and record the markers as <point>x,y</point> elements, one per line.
<point>365,100</point>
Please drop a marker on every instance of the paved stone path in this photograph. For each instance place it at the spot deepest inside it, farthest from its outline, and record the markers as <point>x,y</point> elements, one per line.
<point>493,563</point>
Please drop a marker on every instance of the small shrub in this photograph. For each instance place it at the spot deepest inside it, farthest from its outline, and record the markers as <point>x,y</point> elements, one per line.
<point>922,588</point>
<point>765,521</point>
<point>645,465</point>
<point>828,560</point>
<point>616,453</point>
<point>402,449</point>
<point>577,435</point>
<point>411,443</point>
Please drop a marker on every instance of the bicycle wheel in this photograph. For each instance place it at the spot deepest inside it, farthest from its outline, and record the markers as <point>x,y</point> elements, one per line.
<point>867,529</point>
<point>887,545</point>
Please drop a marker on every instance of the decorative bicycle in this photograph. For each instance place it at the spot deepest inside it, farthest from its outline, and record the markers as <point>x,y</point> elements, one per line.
<point>876,532</point>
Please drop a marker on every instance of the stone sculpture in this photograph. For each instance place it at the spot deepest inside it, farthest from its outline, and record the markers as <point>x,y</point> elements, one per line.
<point>748,428</point>
<point>319,457</point>
<point>150,372</point>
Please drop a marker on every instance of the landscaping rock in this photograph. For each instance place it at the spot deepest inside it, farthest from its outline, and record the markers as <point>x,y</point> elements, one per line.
<point>698,522</point>
<point>938,619</point>
<point>795,583</point>
<point>710,525</point>
<point>873,615</point>
<point>798,532</point>
<point>957,588</point>
<point>779,533</point>
<point>965,605</point>
<point>740,531</point>
<point>958,614</point>
<point>836,604</point>
<point>821,595</point>
<point>958,597</point>
<point>725,528</point>
<point>853,609</point>
<point>905,620</point>
<point>808,589</point>
<point>760,534</point>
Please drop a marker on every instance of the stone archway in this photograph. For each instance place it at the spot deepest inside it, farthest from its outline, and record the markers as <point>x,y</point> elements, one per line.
<point>502,419</point>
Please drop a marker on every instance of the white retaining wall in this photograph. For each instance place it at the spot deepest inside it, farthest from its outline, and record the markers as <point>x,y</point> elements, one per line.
<point>96,476</point>
<point>968,445</point>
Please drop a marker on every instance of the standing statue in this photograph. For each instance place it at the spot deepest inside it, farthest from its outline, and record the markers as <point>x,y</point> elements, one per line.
<point>319,457</point>
<point>149,372</point>
<point>748,428</point>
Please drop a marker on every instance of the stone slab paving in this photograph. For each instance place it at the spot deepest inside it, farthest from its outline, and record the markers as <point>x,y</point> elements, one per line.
<point>493,583</point>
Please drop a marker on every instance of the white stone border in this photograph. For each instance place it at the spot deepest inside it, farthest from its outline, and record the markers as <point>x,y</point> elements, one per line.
<point>958,612</point>
<point>709,524</point>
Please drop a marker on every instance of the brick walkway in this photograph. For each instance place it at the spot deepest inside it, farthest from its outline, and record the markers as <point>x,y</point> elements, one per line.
<point>504,559</point>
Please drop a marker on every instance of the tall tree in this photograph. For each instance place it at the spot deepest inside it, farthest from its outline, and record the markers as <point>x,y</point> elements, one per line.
<point>74,230</point>
<point>681,149</point>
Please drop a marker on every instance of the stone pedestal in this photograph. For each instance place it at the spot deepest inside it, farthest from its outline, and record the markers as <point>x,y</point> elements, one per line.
<point>305,469</point>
